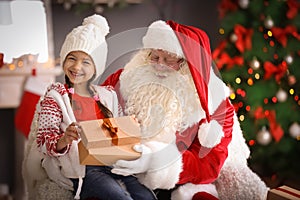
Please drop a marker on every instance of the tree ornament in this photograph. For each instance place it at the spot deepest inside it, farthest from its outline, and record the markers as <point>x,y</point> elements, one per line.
<point>233,38</point>
<point>292,80</point>
<point>99,9</point>
<point>254,64</point>
<point>281,95</point>
<point>289,59</point>
<point>263,137</point>
<point>67,5</point>
<point>295,130</point>
<point>244,3</point>
<point>268,22</point>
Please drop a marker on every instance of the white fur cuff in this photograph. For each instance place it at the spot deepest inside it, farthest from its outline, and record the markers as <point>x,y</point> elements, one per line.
<point>165,168</point>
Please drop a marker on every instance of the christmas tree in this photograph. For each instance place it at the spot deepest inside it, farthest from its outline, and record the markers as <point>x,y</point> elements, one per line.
<point>259,58</point>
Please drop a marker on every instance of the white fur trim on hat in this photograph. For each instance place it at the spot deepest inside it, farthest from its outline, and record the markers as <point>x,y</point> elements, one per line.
<point>216,98</point>
<point>89,38</point>
<point>161,36</point>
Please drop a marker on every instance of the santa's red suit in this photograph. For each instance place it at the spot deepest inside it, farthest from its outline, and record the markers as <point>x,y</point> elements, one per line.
<point>192,145</point>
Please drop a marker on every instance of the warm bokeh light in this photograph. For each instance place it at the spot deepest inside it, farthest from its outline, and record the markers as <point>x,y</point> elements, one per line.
<point>270,34</point>
<point>242,118</point>
<point>250,71</point>
<point>240,104</point>
<point>251,142</point>
<point>221,31</point>
<point>11,67</point>
<point>274,99</point>
<point>265,49</point>
<point>248,108</point>
<point>250,81</point>
<point>257,76</point>
<point>20,63</point>
<point>232,96</point>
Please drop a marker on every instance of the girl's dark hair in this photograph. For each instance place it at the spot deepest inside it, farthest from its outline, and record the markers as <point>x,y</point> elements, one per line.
<point>106,112</point>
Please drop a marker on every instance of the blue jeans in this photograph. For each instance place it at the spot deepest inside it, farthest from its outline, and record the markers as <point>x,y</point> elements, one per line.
<point>99,182</point>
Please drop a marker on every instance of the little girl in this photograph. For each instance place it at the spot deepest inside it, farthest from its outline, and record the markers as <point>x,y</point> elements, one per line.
<point>83,57</point>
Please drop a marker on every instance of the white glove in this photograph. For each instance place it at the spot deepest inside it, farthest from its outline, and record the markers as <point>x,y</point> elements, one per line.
<point>52,168</point>
<point>140,165</point>
<point>155,156</point>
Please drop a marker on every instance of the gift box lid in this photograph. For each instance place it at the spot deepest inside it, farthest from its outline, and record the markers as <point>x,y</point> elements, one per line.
<point>111,131</point>
<point>283,193</point>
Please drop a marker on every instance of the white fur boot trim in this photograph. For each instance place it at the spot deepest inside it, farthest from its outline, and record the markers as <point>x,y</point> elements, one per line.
<point>188,190</point>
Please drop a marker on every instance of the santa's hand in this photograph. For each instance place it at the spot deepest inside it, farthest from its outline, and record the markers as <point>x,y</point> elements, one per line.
<point>140,165</point>
<point>51,166</point>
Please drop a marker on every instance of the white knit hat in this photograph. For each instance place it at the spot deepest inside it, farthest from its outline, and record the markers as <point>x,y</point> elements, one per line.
<point>161,36</point>
<point>89,38</point>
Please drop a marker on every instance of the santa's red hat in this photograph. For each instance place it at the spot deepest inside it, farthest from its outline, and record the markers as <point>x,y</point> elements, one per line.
<point>193,44</point>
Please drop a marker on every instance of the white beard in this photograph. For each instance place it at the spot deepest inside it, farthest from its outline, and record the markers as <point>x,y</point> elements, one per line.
<point>163,103</point>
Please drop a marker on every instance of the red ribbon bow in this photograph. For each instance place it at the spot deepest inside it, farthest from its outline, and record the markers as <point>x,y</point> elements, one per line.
<point>112,130</point>
<point>293,9</point>
<point>226,6</point>
<point>225,59</point>
<point>222,58</point>
<point>270,69</point>
<point>281,34</point>
<point>270,115</point>
<point>243,38</point>
<point>216,53</point>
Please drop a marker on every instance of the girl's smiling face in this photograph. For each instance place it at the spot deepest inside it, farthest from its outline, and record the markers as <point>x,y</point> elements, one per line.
<point>79,67</point>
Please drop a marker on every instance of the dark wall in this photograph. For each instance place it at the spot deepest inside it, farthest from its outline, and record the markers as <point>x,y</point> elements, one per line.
<point>7,146</point>
<point>198,13</point>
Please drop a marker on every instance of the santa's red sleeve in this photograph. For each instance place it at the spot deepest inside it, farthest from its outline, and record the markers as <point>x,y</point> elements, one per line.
<point>203,170</point>
<point>198,169</point>
<point>113,79</point>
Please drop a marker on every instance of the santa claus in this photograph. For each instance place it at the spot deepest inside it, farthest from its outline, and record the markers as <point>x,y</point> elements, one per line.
<point>192,142</point>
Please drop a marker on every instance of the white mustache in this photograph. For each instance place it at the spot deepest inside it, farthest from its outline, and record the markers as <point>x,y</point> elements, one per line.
<point>162,70</point>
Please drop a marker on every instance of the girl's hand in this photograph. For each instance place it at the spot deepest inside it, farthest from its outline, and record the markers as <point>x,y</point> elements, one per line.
<point>72,133</point>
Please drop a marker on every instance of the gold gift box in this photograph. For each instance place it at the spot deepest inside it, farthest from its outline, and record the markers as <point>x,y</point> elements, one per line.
<point>105,141</point>
<point>283,193</point>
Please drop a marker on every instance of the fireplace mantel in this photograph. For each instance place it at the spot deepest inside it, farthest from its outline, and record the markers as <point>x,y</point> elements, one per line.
<point>12,82</point>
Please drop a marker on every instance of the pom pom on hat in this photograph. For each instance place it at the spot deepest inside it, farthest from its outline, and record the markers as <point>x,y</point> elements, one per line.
<point>98,21</point>
<point>161,36</point>
<point>89,38</point>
